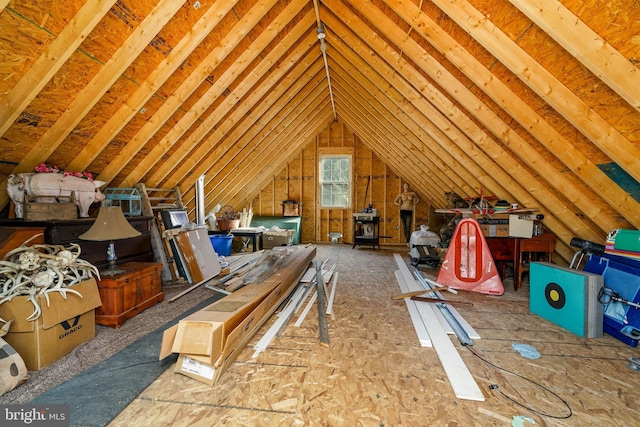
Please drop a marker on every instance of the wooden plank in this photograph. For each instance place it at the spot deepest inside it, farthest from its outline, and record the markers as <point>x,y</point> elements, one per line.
<point>546,134</point>
<point>587,46</point>
<point>183,92</point>
<point>209,148</point>
<point>50,61</point>
<point>489,119</point>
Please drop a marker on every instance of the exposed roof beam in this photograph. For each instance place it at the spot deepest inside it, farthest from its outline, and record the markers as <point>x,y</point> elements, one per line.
<point>151,85</point>
<point>186,89</point>
<point>506,169</point>
<point>536,77</point>
<point>50,61</point>
<point>222,83</point>
<point>546,135</point>
<point>211,147</point>
<point>585,45</point>
<point>93,91</point>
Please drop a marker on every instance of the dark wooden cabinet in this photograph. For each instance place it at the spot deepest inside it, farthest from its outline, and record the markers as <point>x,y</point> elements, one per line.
<point>136,249</point>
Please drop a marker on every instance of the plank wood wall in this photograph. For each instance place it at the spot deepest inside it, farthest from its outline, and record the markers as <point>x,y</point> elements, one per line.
<point>299,181</point>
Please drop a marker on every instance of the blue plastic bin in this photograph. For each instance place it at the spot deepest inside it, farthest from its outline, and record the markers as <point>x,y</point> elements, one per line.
<point>222,243</point>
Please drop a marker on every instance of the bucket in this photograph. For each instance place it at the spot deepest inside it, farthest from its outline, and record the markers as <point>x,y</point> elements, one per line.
<point>228,224</point>
<point>222,243</point>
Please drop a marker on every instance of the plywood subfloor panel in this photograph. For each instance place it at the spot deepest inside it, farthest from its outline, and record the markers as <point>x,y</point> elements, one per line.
<point>374,373</point>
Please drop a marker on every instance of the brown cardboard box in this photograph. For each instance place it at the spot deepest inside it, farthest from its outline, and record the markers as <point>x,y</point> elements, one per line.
<point>271,239</point>
<point>496,225</point>
<point>63,324</point>
<point>210,339</point>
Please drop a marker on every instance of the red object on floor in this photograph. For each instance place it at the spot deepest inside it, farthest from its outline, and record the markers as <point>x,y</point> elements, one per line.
<point>468,263</point>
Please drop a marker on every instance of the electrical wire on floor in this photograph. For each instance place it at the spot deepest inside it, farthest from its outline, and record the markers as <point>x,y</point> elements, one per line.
<point>496,388</point>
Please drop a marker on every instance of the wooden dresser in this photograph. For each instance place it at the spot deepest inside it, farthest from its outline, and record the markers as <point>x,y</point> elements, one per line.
<point>127,294</point>
<point>136,249</point>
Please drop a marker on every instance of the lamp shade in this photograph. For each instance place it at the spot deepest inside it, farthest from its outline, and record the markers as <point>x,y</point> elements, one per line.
<point>110,224</point>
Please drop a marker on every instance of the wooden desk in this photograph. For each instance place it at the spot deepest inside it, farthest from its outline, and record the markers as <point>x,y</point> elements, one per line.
<point>530,250</point>
<point>513,249</point>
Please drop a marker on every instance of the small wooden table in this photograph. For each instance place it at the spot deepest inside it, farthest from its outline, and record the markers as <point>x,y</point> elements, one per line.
<point>513,249</point>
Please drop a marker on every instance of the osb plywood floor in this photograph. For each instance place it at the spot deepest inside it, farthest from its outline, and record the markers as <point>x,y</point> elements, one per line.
<point>374,373</point>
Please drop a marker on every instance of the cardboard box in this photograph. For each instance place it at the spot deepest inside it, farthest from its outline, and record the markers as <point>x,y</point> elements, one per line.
<point>271,239</point>
<point>210,339</point>
<point>62,326</point>
<point>521,226</point>
<point>507,225</point>
<point>496,225</point>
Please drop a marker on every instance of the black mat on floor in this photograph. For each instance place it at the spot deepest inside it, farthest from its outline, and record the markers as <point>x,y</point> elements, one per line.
<point>97,395</point>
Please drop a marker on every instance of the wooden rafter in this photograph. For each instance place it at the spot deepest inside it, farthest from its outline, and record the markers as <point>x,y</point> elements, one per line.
<point>50,61</point>
<point>101,82</point>
<point>150,86</point>
<point>585,45</point>
<point>217,88</point>
<point>186,89</point>
<point>572,108</point>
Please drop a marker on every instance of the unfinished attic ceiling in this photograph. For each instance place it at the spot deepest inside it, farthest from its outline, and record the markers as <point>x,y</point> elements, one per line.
<point>534,101</point>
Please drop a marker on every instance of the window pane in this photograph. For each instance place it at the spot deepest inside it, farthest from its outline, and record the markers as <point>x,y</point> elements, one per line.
<point>335,181</point>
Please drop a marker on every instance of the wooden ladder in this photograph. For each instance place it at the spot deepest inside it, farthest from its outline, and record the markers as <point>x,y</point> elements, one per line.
<point>154,200</point>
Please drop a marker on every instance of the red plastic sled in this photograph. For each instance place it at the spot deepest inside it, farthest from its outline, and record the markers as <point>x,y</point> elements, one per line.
<point>468,263</point>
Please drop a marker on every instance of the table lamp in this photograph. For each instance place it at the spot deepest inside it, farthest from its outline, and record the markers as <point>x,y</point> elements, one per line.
<point>110,225</point>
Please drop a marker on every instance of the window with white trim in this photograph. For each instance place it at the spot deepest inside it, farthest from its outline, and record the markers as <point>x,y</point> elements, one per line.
<point>335,181</point>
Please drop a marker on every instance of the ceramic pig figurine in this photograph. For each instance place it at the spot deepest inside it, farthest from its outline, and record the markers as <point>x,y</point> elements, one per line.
<point>47,187</point>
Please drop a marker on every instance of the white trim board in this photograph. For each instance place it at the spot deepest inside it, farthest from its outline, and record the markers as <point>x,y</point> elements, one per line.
<point>462,382</point>
<point>414,313</point>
